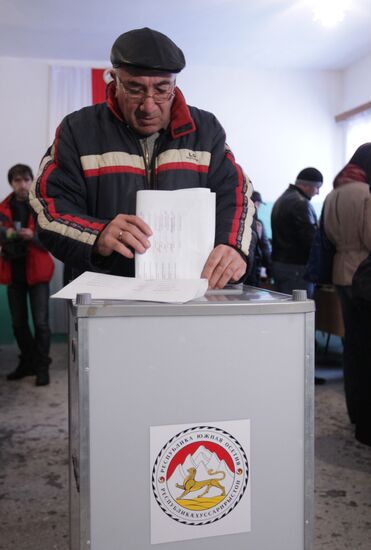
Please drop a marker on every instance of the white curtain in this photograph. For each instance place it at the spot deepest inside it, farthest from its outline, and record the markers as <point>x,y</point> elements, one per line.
<point>70,89</point>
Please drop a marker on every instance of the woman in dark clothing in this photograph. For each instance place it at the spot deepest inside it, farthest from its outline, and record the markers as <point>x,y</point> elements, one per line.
<point>347,225</point>
<point>362,302</point>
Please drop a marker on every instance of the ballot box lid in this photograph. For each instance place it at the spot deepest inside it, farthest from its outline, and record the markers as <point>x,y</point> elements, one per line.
<point>232,300</point>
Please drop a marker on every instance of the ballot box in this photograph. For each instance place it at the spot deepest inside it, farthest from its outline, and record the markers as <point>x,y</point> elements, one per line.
<point>191,426</point>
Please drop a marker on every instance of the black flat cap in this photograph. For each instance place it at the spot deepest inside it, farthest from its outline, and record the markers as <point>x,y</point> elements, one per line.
<point>310,176</point>
<point>147,49</point>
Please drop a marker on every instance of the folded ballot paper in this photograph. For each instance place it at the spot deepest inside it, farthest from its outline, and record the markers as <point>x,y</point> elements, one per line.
<point>183,226</point>
<point>113,287</point>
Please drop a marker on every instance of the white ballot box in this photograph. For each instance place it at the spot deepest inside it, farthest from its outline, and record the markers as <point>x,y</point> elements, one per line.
<point>191,426</point>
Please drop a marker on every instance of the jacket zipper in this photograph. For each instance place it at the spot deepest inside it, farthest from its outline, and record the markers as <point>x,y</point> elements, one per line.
<point>145,153</point>
<point>156,151</point>
<point>150,166</point>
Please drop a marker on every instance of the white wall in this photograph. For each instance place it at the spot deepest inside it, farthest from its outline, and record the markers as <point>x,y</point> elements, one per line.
<point>23,114</point>
<point>277,122</point>
<point>356,84</point>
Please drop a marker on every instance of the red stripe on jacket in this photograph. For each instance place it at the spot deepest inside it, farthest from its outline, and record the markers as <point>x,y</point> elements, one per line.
<point>182,166</point>
<point>56,143</point>
<point>91,172</point>
<point>51,203</point>
<point>232,240</point>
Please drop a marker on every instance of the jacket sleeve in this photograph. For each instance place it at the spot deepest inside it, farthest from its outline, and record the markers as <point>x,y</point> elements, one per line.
<point>234,209</point>
<point>59,199</point>
<point>249,277</point>
<point>305,223</point>
<point>5,221</point>
<point>266,251</point>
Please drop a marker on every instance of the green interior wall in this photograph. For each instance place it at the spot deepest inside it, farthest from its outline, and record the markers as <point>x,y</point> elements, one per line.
<point>6,332</point>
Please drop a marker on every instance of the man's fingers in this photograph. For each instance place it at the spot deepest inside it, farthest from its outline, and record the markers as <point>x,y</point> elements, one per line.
<point>122,249</point>
<point>123,233</point>
<point>223,265</point>
<point>222,273</point>
<point>123,219</point>
<point>122,241</point>
<point>211,263</point>
<point>132,236</point>
<point>226,277</point>
<point>240,272</point>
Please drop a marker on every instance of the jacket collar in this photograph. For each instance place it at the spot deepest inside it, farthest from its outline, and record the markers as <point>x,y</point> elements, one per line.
<point>181,122</point>
<point>296,188</point>
<point>6,202</point>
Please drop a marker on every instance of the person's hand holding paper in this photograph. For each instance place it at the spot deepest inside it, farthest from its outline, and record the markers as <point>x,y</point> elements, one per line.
<point>173,237</point>
<point>183,224</point>
<point>124,234</point>
<point>224,264</point>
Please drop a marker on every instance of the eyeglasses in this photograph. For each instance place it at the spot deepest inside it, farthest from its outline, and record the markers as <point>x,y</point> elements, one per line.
<point>136,95</point>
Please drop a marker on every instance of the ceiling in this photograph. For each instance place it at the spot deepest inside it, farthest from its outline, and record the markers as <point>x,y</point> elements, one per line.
<point>241,33</point>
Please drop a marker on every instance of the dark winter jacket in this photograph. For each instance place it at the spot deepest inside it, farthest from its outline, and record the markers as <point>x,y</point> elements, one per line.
<point>96,165</point>
<point>294,223</point>
<point>39,263</point>
<point>260,254</point>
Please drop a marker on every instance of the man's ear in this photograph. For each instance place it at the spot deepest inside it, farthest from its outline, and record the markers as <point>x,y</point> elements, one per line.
<point>108,75</point>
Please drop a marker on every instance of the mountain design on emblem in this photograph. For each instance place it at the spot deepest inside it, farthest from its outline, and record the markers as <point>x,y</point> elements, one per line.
<point>199,464</point>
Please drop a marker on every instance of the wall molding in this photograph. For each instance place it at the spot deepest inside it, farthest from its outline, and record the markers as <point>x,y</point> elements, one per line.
<point>353,112</point>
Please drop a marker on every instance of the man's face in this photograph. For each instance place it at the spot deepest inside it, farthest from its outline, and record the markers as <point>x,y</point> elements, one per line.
<point>134,93</point>
<point>312,191</point>
<point>21,187</point>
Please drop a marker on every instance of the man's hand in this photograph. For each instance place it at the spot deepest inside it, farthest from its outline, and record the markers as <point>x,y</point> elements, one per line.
<point>25,233</point>
<point>10,232</point>
<point>224,264</point>
<point>122,232</point>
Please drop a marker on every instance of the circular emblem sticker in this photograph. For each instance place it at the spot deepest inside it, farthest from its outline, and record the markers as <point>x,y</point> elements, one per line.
<point>200,475</point>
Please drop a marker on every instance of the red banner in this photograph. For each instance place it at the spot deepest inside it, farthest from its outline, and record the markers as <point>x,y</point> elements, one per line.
<point>98,86</point>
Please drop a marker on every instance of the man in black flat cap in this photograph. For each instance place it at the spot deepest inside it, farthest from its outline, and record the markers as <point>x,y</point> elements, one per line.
<point>294,223</point>
<point>144,136</point>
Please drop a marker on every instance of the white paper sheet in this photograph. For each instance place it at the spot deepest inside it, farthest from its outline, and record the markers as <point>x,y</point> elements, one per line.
<point>112,287</point>
<point>183,225</point>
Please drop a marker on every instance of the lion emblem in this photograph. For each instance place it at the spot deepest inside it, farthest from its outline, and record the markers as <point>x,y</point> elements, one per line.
<point>190,484</point>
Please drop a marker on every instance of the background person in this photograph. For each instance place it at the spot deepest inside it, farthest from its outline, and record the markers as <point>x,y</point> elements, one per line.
<point>346,225</point>
<point>26,268</point>
<point>261,255</point>
<point>294,223</point>
<point>144,137</point>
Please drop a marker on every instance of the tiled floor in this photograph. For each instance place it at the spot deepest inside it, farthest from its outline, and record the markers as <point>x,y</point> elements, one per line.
<point>343,473</point>
<point>33,458</point>
<point>33,464</point>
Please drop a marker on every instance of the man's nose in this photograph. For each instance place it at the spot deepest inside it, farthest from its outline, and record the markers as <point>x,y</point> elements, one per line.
<point>148,104</point>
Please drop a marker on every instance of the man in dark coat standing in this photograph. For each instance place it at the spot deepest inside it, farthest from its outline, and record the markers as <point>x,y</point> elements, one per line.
<point>294,223</point>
